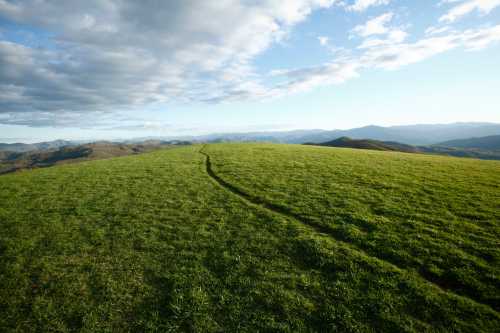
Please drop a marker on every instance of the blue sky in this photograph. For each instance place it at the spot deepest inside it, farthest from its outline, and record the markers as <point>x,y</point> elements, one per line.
<point>121,69</point>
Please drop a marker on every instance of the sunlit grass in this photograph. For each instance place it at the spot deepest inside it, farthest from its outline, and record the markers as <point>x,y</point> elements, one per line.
<point>151,242</point>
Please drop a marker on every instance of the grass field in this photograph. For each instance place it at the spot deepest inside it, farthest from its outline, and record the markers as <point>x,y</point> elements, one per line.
<point>252,237</point>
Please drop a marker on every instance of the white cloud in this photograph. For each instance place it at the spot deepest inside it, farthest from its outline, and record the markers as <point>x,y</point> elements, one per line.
<point>375,26</point>
<point>125,54</point>
<point>398,55</point>
<point>117,55</point>
<point>466,7</point>
<point>394,56</point>
<point>437,30</point>
<point>379,27</point>
<point>386,54</point>
<point>394,36</point>
<point>475,40</point>
<point>323,40</point>
<point>305,79</point>
<point>362,5</point>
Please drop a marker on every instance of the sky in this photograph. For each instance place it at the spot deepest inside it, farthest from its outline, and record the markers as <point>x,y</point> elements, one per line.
<point>112,69</point>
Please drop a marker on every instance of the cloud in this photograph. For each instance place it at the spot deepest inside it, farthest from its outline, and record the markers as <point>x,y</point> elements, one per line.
<point>305,79</point>
<point>323,40</point>
<point>394,56</point>
<point>101,58</point>
<point>437,30</point>
<point>148,126</point>
<point>375,26</point>
<point>466,7</point>
<point>362,5</point>
<point>475,40</point>
<point>386,54</point>
<point>393,36</point>
<point>117,55</point>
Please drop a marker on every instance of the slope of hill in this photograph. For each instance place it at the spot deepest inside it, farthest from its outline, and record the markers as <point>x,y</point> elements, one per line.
<point>252,238</point>
<point>346,142</point>
<point>13,161</point>
<point>369,197</point>
<point>488,143</point>
<point>461,152</point>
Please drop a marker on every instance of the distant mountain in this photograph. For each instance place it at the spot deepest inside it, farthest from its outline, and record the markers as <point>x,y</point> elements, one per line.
<point>346,142</point>
<point>296,136</point>
<point>13,161</point>
<point>411,134</point>
<point>25,147</point>
<point>462,152</point>
<point>491,142</point>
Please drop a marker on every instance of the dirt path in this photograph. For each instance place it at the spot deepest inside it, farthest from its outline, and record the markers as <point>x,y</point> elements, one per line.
<point>324,230</point>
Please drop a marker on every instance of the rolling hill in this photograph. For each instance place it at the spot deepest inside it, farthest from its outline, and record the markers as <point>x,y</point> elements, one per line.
<point>345,142</point>
<point>14,161</point>
<point>252,237</point>
<point>488,143</point>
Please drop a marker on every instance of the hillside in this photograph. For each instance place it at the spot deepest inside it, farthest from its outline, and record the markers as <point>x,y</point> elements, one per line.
<point>14,161</point>
<point>252,237</point>
<point>488,143</point>
<point>345,142</point>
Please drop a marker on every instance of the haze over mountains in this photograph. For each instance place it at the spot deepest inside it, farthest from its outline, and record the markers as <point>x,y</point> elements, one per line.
<point>442,134</point>
<point>476,140</point>
<point>25,147</point>
<point>410,134</point>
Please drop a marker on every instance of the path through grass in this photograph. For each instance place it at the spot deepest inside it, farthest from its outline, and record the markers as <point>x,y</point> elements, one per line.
<point>152,242</point>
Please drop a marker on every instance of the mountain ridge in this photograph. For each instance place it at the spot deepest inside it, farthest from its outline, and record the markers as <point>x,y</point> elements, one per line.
<point>491,142</point>
<point>369,144</point>
<point>419,134</point>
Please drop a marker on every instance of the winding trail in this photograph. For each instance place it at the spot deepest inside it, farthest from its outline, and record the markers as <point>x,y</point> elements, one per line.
<point>324,230</point>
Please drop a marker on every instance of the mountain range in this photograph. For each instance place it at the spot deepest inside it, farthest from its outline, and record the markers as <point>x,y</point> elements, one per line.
<point>443,134</point>
<point>409,134</point>
<point>25,147</point>
<point>491,142</point>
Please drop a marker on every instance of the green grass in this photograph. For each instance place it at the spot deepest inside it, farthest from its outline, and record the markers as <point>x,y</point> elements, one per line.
<point>300,239</point>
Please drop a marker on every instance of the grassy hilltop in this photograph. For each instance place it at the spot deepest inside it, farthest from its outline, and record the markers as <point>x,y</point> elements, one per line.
<point>252,237</point>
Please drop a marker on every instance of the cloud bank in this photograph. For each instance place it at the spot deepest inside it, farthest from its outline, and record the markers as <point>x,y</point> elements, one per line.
<point>117,54</point>
<point>93,59</point>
